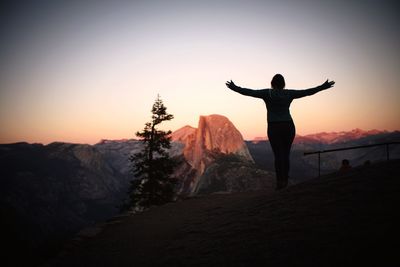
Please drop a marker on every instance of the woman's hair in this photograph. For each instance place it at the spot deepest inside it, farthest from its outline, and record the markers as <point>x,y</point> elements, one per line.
<point>278,82</point>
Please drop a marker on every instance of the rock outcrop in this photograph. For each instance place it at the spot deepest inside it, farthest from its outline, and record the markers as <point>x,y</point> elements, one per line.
<point>229,174</point>
<point>215,136</point>
<point>182,134</point>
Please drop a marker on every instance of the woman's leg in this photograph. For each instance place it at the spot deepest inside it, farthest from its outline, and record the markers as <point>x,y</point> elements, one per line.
<point>275,140</point>
<point>288,137</point>
<point>281,135</point>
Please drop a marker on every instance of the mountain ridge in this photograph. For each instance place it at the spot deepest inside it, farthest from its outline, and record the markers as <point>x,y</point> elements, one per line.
<point>179,134</point>
<point>331,137</point>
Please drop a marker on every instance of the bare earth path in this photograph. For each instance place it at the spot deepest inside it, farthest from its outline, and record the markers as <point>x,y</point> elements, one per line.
<point>348,219</point>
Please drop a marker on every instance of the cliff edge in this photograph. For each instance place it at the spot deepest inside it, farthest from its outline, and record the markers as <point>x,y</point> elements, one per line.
<point>343,219</point>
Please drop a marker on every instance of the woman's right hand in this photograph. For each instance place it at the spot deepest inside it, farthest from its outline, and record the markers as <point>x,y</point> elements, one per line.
<point>230,84</point>
<point>327,84</point>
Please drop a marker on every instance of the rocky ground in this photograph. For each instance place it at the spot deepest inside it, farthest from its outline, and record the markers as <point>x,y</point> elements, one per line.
<point>344,219</point>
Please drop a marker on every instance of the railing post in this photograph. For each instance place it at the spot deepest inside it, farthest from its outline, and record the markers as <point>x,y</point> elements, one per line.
<point>319,164</point>
<point>387,152</point>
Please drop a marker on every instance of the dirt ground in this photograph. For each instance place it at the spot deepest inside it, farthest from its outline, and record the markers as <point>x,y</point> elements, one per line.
<point>344,219</point>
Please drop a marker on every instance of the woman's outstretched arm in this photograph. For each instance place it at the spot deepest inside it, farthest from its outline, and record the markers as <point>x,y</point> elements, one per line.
<point>302,93</point>
<point>244,91</point>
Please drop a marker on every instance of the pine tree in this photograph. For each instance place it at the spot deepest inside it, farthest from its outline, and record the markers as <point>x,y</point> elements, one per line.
<point>152,166</point>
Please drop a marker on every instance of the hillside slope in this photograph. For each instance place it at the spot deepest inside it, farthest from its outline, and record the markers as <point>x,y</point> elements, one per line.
<point>48,193</point>
<point>337,220</point>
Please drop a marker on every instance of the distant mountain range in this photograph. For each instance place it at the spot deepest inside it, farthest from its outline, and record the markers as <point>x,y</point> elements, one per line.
<point>49,192</point>
<point>330,137</point>
<point>306,167</point>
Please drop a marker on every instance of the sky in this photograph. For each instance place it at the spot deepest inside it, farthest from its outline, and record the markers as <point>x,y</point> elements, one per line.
<point>82,71</point>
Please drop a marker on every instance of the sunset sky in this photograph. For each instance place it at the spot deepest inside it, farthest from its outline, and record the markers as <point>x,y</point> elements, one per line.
<point>79,72</point>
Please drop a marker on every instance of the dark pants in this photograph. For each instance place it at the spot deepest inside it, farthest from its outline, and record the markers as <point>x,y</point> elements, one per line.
<point>281,135</point>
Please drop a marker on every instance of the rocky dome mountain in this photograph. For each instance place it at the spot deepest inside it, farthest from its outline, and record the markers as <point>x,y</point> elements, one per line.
<point>215,137</point>
<point>215,133</point>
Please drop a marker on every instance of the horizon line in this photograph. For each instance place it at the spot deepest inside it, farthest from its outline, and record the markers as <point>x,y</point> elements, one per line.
<point>256,138</point>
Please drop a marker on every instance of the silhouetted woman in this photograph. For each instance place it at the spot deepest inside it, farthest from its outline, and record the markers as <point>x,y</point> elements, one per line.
<point>281,129</point>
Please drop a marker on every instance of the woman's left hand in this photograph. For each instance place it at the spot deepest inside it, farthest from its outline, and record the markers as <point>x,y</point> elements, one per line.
<point>230,84</point>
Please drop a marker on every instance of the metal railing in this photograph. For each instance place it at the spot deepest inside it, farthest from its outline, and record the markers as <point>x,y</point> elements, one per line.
<point>319,152</point>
